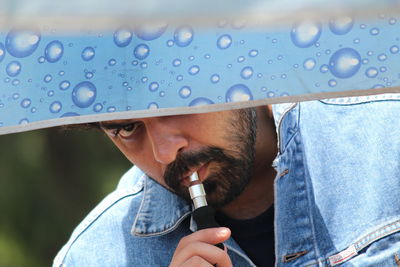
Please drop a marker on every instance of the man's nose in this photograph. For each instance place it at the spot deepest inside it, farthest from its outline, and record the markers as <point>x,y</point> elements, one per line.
<point>166,139</point>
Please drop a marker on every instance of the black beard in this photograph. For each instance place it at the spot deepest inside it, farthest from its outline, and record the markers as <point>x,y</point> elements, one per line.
<point>232,169</point>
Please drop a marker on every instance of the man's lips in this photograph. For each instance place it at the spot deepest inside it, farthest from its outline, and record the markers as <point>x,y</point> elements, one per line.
<point>202,172</point>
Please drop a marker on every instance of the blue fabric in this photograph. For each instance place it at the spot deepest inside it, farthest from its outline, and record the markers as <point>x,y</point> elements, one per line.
<point>336,196</point>
<point>48,77</point>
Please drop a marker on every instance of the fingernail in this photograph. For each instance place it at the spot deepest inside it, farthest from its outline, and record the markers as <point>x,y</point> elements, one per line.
<point>222,231</point>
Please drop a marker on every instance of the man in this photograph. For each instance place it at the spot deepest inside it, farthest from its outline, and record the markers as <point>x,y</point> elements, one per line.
<point>322,175</point>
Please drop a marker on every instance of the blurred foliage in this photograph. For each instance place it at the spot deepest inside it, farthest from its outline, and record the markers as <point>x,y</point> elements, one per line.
<point>50,179</point>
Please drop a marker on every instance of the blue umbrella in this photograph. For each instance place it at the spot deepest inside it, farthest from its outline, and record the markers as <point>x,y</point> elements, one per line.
<point>80,63</point>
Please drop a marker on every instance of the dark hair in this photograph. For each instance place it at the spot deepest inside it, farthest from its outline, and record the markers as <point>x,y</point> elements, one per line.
<point>82,126</point>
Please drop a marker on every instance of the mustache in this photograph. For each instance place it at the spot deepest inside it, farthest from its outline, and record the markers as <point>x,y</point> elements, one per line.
<point>186,161</point>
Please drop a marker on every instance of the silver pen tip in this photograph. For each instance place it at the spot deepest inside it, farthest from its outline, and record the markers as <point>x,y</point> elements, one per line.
<point>194,177</point>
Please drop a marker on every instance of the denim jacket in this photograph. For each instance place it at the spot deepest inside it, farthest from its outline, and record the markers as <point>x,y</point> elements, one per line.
<point>337,196</point>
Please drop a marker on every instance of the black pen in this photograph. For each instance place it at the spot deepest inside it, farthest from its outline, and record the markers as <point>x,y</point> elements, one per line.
<point>203,214</point>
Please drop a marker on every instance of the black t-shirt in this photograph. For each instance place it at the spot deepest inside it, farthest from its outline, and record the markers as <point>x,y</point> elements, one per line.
<point>255,236</point>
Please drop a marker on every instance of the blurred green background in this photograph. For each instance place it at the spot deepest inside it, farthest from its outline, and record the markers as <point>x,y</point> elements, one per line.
<point>49,180</point>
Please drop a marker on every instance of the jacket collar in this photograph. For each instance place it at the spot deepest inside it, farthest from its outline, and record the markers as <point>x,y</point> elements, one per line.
<point>154,218</point>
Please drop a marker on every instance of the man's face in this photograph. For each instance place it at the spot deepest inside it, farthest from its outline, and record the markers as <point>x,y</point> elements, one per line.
<point>220,146</point>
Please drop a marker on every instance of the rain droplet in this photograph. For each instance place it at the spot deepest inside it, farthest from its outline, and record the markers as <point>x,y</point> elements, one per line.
<point>89,75</point>
<point>22,43</point>
<point>305,34</point>
<point>50,93</point>
<point>200,101</point>
<point>24,121</point>
<point>55,107</point>
<point>392,21</point>
<point>377,86</point>
<point>152,105</point>
<point>309,64</point>
<point>332,83</point>
<point>238,93</point>
<point>393,49</point>
<point>185,92</point>
<point>47,78</point>
<point>150,32</point>
<point>88,53</point>
<point>193,70</point>
<point>170,43</point>
<point>214,78</point>
<point>253,53</point>
<point>179,78</point>
<point>371,72</point>
<point>84,94</point>
<point>143,65</point>
<point>41,59</point>
<point>345,62</point>
<point>111,109</point>
<point>241,59</point>
<point>153,86</point>
<point>341,25</point>
<point>177,62</point>
<point>13,68</point>
<point>15,82</point>
<point>382,57</point>
<point>246,73</point>
<point>25,103</point>
<point>374,31</point>
<point>97,107</point>
<point>224,41</point>
<point>64,85</point>
<point>383,69</point>
<point>183,36</point>
<point>15,96</point>
<point>324,68</point>
<point>2,52</point>
<point>122,37</point>
<point>54,51</point>
<point>112,62</point>
<point>141,51</point>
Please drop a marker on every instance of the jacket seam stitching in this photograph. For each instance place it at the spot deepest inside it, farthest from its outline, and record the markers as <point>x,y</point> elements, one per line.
<point>385,234</point>
<point>360,245</point>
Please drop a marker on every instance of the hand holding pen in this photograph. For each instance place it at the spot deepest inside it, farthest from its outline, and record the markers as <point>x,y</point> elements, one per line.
<point>204,247</point>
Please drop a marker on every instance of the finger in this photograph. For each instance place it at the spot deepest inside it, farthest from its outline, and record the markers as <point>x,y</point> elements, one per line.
<point>208,252</point>
<point>196,261</point>
<point>211,236</point>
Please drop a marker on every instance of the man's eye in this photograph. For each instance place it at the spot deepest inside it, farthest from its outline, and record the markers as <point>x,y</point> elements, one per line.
<point>127,130</point>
